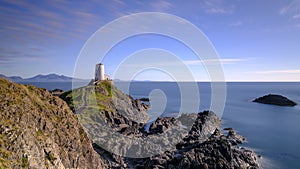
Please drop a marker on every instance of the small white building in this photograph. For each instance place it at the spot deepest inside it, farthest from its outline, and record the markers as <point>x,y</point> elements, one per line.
<point>100,73</point>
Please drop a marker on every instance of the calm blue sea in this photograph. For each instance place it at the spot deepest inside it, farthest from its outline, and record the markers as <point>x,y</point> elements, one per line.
<point>271,131</point>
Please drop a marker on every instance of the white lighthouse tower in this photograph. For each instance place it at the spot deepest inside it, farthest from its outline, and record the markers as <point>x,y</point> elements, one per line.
<point>99,72</point>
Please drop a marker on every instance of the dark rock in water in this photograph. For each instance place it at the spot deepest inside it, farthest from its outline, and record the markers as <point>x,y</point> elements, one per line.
<point>144,99</point>
<point>235,138</point>
<point>275,100</point>
<point>56,92</point>
<point>229,128</point>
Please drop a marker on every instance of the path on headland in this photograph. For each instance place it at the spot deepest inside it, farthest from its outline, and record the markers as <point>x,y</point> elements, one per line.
<point>84,101</point>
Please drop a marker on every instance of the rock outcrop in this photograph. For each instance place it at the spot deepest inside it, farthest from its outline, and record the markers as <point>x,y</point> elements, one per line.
<point>161,125</point>
<point>144,99</point>
<point>275,100</point>
<point>38,130</point>
<point>119,139</point>
<point>198,151</point>
<point>56,92</point>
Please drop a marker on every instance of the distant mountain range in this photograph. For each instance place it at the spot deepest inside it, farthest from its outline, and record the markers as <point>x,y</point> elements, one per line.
<point>43,78</point>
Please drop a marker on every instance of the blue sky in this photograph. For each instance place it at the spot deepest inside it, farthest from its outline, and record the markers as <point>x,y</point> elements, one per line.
<point>256,40</point>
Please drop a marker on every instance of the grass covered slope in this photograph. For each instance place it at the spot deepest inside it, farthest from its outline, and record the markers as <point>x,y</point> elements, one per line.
<point>38,130</point>
<point>106,100</point>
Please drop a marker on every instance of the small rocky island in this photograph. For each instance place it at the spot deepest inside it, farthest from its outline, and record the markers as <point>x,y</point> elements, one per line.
<point>275,99</point>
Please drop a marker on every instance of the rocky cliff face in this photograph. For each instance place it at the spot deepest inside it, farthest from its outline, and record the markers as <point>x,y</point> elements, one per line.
<point>38,130</point>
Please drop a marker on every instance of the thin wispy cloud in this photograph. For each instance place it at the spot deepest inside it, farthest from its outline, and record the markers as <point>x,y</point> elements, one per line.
<point>119,2</point>
<point>37,23</point>
<point>291,71</point>
<point>21,53</point>
<point>238,23</point>
<point>297,16</point>
<point>161,5</point>
<point>292,9</point>
<point>217,7</point>
<point>186,62</point>
<point>25,24</point>
<point>214,61</point>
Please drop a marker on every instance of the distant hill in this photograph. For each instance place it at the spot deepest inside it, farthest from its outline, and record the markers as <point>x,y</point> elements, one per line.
<point>42,78</point>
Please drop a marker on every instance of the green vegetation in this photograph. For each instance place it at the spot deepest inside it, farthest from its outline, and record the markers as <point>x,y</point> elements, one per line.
<point>85,153</point>
<point>4,163</point>
<point>40,135</point>
<point>9,103</point>
<point>24,162</point>
<point>67,96</point>
<point>97,97</point>
<point>107,85</point>
<point>50,157</point>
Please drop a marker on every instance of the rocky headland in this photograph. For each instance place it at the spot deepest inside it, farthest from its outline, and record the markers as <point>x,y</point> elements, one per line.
<point>275,99</point>
<point>39,130</point>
